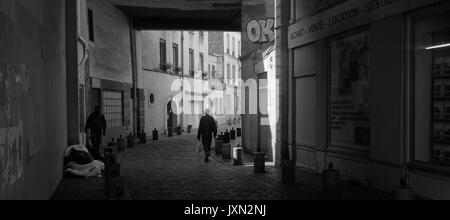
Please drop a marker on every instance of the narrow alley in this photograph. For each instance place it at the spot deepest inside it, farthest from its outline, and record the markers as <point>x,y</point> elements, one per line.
<point>332,100</point>
<point>170,169</point>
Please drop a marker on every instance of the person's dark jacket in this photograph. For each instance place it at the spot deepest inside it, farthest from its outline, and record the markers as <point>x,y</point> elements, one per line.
<point>97,123</point>
<point>207,129</point>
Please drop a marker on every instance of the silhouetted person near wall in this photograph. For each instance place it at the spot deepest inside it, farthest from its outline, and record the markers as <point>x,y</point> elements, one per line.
<point>206,131</point>
<point>95,127</point>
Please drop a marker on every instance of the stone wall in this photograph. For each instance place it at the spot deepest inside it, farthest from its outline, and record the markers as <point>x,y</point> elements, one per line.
<point>33,110</point>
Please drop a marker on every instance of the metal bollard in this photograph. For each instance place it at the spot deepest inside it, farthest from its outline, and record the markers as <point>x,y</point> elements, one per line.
<point>117,188</point>
<point>219,146</point>
<point>130,141</point>
<point>108,150</point>
<point>239,132</point>
<point>110,160</point>
<point>288,171</point>
<point>112,145</point>
<point>143,137</point>
<point>227,137</point>
<point>238,156</point>
<point>155,135</point>
<point>120,144</point>
<point>331,186</point>
<point>260,163</point>
<point>114,183</point>
<point>179,131</point>
<point>233,134</point>
<point>226,151</point>
<point>404,192</point>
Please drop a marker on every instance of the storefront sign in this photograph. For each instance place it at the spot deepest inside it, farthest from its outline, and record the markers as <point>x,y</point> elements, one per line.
<point>348,15</point>
<point>261,31</point>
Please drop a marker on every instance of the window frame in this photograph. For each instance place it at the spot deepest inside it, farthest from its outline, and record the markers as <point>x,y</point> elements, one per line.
<point>163,54</point>
<point>233,76</point>
<point>106,104</point>
<point>411,91</point>
<point>228,43</point>
<point>239,49</point>
<point>176,54</point>
<point>202,61</point>
<point>91,25</point>
<point>233,46</point>
<point>191,62</point>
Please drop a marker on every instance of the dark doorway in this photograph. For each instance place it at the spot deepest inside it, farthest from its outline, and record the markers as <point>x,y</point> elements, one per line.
<point>172,117</point>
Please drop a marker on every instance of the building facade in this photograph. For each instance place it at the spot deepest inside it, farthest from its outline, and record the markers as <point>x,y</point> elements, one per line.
<point>33,110</point>
<point>174,72</point>
<point>260,135</point>
<point>368,91</point>
<point>225,68</point>
<point>108,69</point>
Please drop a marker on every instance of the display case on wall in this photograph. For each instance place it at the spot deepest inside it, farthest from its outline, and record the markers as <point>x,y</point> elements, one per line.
<point>431,74</point>
<point>441,106</point>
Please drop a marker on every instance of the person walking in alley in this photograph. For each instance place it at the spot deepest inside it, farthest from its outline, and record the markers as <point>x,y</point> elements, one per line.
<point>206,131</point>
<point>95,127</point>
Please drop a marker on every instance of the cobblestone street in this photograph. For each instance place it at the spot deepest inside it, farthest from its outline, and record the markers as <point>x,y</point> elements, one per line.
<point>170,169</point>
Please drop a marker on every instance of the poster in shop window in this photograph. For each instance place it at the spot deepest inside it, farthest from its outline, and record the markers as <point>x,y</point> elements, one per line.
<point>349,102</point>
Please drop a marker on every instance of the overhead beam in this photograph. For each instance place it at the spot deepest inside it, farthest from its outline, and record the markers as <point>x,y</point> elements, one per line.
<point>185,24</point>
<point>185,4</point>
<point>178,19</point>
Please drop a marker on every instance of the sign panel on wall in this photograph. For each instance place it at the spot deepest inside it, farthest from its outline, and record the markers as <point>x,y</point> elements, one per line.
<point>349,102</point>
<point>346,16</point>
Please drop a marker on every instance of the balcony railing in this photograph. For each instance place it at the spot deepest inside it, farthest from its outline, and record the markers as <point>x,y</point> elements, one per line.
<point>178,70</point>
<point>165,67</point>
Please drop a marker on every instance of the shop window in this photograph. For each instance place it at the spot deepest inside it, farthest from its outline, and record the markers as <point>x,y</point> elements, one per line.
<point>349,102</point>
<point>113,108</point>
<point>432,88</point>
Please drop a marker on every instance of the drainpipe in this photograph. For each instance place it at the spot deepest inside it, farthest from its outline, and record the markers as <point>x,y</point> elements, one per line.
<point>72,68</point>
<point>85,50</point>
<point>182,78</point>
<point>134,75</point>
